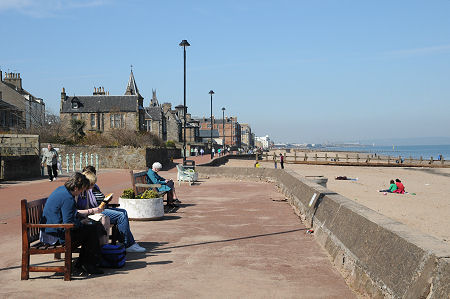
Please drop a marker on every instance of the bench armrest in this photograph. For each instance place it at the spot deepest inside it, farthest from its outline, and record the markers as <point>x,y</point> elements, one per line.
<point>148,185</point>
<point>62,225</point>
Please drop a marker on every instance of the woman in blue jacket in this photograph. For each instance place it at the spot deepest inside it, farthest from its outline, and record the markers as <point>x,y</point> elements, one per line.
<point>167,185</point>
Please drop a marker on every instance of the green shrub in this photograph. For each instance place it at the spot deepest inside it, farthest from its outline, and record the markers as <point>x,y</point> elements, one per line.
<point>150,194</point>
<point>128,193</point>
<point>170,143</point>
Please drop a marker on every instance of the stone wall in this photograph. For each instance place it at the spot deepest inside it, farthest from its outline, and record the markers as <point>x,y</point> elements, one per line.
<point>117,157</point>
<point>378,257</point>
<point>19,156</point>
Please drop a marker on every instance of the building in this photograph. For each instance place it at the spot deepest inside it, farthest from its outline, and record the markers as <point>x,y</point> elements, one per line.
<point>19,108</point>
<point>168,124</point>
<point>247,137</point>
<point>263,142</point>
<point>229,130</point>
<point>103,112</point>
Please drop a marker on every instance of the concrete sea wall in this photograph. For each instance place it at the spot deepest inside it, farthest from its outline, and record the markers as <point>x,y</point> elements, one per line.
<point>378,257</point>
<point>19,156</point>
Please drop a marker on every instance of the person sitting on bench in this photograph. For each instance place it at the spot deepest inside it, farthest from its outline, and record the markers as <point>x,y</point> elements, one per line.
<point>167,185</point>
<point>87,205</point>
<point>61,208</point>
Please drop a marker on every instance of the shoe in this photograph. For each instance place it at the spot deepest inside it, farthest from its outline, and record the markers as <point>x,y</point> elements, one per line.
<point>49,180</point>
<point>135,248</point>
<point>176,201</point>
<point>91,269</point>
<point>54,178</point>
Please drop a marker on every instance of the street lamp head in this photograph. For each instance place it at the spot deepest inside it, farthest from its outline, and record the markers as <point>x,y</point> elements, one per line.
<point>211,92</point>
<point>223,108</point>
<point>184,43</point>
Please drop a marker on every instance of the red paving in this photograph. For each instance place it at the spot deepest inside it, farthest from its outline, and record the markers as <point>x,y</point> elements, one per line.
<point>230,239</point>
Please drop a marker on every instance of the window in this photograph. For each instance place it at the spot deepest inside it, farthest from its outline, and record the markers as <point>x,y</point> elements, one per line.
<point>92,120</point>
<point>148,125</point>
<point>116,120</point>
<point>74,105</point>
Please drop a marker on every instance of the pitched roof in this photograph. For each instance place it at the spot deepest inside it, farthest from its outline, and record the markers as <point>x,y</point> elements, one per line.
<point>132,87</point>
<point>125,103</point>
<point>154,112</point>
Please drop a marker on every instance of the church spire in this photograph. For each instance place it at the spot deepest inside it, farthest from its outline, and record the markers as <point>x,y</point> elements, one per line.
<point>132,87</point>
<point>154,100</point>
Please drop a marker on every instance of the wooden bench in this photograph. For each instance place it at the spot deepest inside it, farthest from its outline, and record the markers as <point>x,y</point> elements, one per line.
<point>31,214</point>
<point>139,183</point>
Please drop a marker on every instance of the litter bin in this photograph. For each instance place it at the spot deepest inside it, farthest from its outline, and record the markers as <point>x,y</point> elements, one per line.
<point>189,164</point>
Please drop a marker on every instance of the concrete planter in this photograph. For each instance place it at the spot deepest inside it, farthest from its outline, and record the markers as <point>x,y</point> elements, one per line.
<point>143,209</point>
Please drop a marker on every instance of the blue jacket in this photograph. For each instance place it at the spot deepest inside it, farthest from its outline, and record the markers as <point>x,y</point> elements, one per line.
<point>59,208</point>
<point>154,178</point>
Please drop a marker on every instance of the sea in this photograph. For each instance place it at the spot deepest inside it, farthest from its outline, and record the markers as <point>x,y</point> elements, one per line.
<point>405,151</point>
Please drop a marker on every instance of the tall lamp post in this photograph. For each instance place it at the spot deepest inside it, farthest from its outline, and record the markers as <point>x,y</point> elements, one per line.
<point>184,43</point>
<point>212,155</point>
<point>223,130</point>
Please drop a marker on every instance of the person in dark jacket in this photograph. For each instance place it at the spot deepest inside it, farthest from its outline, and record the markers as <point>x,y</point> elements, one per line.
<point>61,208</point>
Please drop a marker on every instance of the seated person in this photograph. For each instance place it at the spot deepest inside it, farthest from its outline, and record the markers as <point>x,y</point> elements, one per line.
<point>392,187</point>
<point>400,187</point>
<point>167,185</point>
<point>61,208</point>
<point>87,204</point>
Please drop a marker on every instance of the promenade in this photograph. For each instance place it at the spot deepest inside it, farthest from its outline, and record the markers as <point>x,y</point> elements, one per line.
<point>229,239</point>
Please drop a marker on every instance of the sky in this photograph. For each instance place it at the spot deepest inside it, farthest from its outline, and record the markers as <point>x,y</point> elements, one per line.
<point>298,71</point>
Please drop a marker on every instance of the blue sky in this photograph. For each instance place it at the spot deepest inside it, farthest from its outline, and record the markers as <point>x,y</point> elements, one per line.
<point>299,71</point>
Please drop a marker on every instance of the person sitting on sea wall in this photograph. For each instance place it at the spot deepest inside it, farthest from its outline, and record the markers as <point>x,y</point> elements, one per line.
<point>400,187</point>
<point>392,187</point>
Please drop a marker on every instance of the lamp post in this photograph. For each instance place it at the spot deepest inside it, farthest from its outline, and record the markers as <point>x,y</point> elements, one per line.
<point>184,43</point>
<point>223,130</point>
<point>212,155</point>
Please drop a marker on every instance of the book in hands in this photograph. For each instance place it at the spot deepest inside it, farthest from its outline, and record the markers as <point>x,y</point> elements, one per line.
<point>106,200</point>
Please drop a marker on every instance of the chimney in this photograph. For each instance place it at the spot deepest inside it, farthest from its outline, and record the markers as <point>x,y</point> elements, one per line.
<point>14,79</point>
<point>1,76</point>
<point>188,117</point>
<point>63,98</point>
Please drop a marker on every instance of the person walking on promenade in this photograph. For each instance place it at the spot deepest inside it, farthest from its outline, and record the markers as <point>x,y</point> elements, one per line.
<point>50,158</point>
<point>202,151</point>
<point>282,161</point>
<point>275,160</point>
<point>213,151</point>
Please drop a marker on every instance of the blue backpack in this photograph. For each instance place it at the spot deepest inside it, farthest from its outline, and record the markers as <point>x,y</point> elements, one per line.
<point>113,256</point>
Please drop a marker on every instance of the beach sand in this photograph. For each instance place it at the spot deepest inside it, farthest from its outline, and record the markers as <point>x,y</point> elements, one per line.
<point>428,211</point>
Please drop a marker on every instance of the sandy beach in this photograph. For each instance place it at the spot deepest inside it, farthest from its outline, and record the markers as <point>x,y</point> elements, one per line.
<point>427,211</point>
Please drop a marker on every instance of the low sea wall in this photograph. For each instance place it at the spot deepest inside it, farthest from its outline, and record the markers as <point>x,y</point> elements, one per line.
<point>19,156</point>
<point>378,257</point>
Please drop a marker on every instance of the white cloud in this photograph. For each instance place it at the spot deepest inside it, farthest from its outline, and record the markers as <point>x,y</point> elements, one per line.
<point>421,51</point>
<point>46,8</point>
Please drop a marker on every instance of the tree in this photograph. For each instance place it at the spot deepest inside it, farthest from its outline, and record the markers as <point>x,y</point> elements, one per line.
<point>77,129</point>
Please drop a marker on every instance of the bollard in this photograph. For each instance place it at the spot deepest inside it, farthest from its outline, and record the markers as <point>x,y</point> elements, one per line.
<point>60,163</point>
<point>326,157</point>
<point>315,157</point>
<point>73,162</point>
<point>67,163</point>
<point>295,155</point>
<point>346,157</point>
<point>92,157</point>
<point>81,161</point>
<point>431,160</point>
<point>337,158</point>
<point>389,159</point>
<point>306,157</point>
<point>96,161</point>
<point>357,158</point>
<point>421,159</point>
<point>87,162</point>
<point>368,159</point>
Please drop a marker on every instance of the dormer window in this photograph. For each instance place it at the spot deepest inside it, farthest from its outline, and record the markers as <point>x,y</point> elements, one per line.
<point>74,105</point>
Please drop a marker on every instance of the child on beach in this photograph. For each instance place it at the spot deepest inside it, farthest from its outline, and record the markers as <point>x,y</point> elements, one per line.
<point>400,187</point>
<point>392,187</point>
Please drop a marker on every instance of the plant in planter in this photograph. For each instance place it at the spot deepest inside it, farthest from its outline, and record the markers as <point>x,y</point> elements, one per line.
<point>147,206</point>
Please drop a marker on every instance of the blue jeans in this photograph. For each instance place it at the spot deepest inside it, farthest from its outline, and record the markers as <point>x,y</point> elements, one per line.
<point>119,217</point>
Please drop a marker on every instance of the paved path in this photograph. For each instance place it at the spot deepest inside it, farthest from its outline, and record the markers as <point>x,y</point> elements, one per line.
<point>229,240</point>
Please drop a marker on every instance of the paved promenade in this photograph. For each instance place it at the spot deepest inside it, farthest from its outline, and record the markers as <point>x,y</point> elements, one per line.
<point>229,239</point>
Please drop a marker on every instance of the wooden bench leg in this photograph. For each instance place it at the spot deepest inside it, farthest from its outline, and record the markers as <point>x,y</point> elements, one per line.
<point>25,265</point>
<point>68,256</point>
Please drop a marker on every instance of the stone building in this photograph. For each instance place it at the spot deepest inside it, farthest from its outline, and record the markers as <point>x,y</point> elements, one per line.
<point>247,137</point>
<point>18,107</point>
<point>103,112</point>
<point>168,123</point>
<point>229,130</point>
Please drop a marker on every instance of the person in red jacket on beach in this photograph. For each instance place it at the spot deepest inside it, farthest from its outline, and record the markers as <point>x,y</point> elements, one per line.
<point>400,187</point>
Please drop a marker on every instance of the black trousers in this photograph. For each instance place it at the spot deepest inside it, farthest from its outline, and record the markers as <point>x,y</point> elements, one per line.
<point>88,236</point>
<point>52,171</point>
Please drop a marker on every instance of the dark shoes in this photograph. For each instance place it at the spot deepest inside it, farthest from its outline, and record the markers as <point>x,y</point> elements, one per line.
<point>88,268</point>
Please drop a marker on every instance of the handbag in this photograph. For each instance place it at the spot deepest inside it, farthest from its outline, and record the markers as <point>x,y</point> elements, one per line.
<point>113,256</point>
